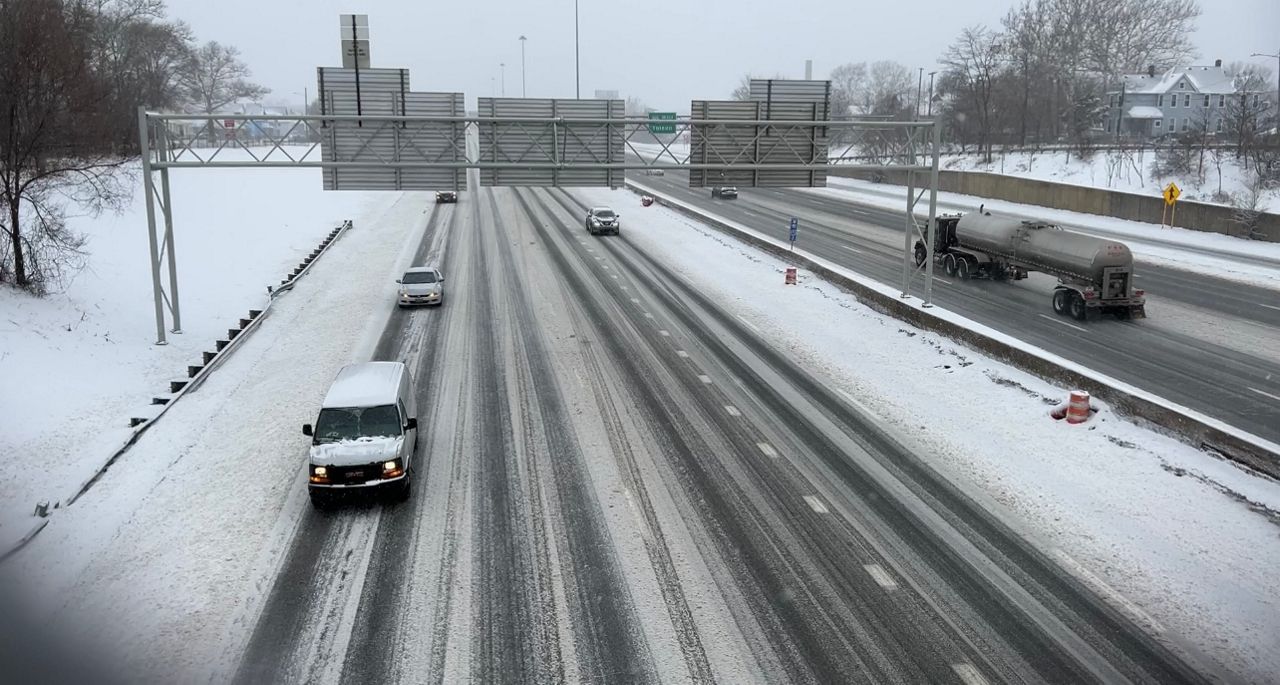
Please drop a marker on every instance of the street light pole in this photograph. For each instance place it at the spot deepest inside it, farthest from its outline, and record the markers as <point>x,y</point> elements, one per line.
<point>919,87</point>
<point>930,106</point>
<point>577,63</point>
<point>524,92</point>
<point>502,72</point>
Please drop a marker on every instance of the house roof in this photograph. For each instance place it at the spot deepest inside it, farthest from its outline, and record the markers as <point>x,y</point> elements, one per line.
<point>1205,80</point>
<point>1144,112</point>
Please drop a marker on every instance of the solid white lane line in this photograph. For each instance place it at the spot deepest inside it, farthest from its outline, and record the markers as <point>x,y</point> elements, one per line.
<point>682,354</point>
<point>881,576</point>
<point>1269,306</point>
<point>815,504</point>
<point>706,380</point>
<point>1099,586</point>
<point>942,280</point>
<point>1064,323</point>
<point>733,411</point>
<point>969,674</point>
<point>1265,394</point>
<point>748,324</point>
<point>664,333</point>
<point>767,449</point>
<point>853,249</point>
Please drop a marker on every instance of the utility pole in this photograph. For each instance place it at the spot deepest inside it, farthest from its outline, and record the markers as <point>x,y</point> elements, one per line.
<point>930,106</point>
<point>502,71</point>
<point>577,63</point>
<point>524,92</point>
<point>919,88</point>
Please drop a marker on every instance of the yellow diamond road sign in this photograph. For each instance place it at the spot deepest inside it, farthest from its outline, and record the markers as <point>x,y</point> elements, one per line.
<point>1171,193</point>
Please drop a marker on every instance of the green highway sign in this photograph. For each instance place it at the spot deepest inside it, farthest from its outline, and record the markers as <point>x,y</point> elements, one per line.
<point>662,128</point>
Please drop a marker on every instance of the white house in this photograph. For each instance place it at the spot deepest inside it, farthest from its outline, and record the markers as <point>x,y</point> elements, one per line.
<point>1181,99</point>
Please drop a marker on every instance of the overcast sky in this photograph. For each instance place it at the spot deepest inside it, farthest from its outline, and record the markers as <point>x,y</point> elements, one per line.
<point>665,53</point>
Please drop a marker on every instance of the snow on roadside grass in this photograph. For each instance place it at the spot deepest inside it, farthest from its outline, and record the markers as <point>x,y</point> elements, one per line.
<point>1189,539</point>
<point>78,363</point>
<point>176,547</point>
<point>1247,261</point>
<point>1131,174</point>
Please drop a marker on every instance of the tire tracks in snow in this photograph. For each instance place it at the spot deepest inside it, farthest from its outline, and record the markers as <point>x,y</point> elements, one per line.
<point>659,554</point>
<point>608,642</point>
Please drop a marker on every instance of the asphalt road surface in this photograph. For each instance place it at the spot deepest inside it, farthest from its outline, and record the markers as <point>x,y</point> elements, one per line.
<point>1208,344</point>
<point>618,482</point>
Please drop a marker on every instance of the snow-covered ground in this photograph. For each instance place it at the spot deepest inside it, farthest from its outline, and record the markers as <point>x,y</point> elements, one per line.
<point>79,362</point>
<point>1129,171</point>
<point>1185,543</point>
<point>1223,256</point>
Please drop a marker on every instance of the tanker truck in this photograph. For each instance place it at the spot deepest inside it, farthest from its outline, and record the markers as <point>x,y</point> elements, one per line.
<point>1095,275</point>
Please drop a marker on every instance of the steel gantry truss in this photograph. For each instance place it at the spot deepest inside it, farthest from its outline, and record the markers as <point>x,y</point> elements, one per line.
<point>745,152</point>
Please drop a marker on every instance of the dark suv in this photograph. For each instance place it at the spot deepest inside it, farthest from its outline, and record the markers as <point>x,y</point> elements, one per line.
<point>444,196</point>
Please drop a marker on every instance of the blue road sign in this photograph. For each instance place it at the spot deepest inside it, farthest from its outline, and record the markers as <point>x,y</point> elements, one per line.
<point>795,228</point>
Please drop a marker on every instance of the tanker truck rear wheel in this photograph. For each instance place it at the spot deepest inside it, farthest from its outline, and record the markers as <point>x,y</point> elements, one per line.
<point>921,254</point>
<point>963,268</point>
<point>1078,310</point>
<point>949,264</point>
<point>1060,302</point>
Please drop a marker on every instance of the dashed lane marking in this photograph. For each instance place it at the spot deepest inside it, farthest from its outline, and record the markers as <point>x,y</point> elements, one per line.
<point>969,674</point>
<point>664,333</point>
<point>815,504</point>
<point>682,354</point>
<point>706,380</point>
<point>1265,394</point>
<point>1064,323</point>
<point>733,411</point>
<point>768,450</point>
<point>881,576</point>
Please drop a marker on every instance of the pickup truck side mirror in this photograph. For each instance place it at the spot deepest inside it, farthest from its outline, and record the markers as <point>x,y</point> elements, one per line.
<point>442,278</point>
<point>411,425</point>
<point>306,429</point>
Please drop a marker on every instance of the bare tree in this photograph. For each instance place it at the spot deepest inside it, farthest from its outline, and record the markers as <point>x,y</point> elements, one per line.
<point>889,88</point>
<point>743,90</point>
<point>1247,108</point>
<point>848,83</point>
<point>1131,34</point>
<point>214,77</point>
<point>971,67</point>
<point>56,141</point>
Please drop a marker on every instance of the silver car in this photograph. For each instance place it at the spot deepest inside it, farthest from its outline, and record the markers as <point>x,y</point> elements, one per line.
<point>420,285</point>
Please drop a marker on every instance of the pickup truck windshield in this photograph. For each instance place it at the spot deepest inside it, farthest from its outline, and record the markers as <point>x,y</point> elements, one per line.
<point>337,425</point>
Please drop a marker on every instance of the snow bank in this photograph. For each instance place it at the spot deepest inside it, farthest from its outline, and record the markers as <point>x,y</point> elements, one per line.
<point>78,363</point>
<point>1128,172</point>
<point>166,561</point>
<point>1187,542</point>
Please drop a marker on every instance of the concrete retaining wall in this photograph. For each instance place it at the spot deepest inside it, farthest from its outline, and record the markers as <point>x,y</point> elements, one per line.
<point>1191,429</point>
<point>1192,215</point>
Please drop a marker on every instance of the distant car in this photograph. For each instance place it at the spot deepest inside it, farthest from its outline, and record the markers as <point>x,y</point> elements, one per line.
<point>444,196</point>
<point>603,220</point>
<point>654,172</point>
<point>725,192</point>
<point>420,285</point>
